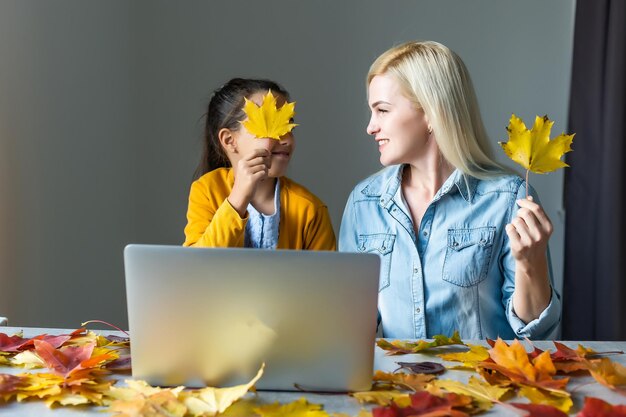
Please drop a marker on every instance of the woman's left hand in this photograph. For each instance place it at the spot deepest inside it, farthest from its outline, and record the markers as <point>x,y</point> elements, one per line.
<point>529,233</point>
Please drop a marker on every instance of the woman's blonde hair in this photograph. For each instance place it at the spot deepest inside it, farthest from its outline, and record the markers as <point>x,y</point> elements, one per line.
<point>437,81</point>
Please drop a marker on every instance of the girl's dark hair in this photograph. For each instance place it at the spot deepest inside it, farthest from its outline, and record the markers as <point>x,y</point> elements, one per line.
<point>225,110</point>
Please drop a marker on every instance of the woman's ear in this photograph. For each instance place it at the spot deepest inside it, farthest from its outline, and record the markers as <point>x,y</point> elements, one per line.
<point>227,140</point>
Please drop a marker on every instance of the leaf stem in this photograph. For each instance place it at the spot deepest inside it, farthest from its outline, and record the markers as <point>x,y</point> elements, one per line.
<point>107,323</point>
<point>527,171</point>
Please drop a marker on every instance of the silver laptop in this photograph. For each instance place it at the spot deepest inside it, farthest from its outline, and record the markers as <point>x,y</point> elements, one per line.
<point>212,316</point>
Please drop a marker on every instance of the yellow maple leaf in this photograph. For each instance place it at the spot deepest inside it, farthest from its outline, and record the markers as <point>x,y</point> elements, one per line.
<point>267,120</point>
<point>483,393</point>
<point>538,396</point>
<point>470,359</point>
<point>608,373</point>
<point>383,397</point>
<point>533,148</point>
<point>298,408</point>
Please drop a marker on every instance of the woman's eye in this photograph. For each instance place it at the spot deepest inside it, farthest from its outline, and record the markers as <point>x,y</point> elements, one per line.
<point>383,111</point>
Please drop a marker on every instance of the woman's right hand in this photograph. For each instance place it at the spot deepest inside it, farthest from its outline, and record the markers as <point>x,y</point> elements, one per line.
<point>249,171</point>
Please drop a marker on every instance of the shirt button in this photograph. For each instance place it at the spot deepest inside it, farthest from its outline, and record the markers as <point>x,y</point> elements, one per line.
<point>418,310</point>
<point>415,270</point>
<point>425,233</point>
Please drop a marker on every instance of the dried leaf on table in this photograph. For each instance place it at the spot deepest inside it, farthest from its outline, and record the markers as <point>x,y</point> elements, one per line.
<point>362,413</point>
<point>483,393</point>
<point>210,401</point>
<point>400,347</point>
<point>11,343</point>
<point>160,404</point>
<point>298,408</point>
<point>513,363</point>
<point>383,397</point>
<point>27,359</point>
<point>540,410</point>
<point>8,385</point>
<point>426,404</point>
<point>38,385</point>
<point>267,120</point>
<point>535,395</point>
<point>432,368</point>
<point>595,407</point>
<point>470,359</point>
<point>608,373</point>
<point>400,380</point>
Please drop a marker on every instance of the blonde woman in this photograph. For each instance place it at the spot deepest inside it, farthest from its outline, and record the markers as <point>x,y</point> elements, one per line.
<point>461,247</point>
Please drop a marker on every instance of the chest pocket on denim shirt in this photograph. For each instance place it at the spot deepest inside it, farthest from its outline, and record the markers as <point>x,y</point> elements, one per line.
<point>381,244</point>
<point>468,255</point>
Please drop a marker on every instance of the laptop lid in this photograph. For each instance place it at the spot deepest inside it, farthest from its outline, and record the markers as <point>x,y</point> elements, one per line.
<point>212,316</point>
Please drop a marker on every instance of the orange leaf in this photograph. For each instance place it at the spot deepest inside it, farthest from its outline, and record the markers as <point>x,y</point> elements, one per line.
<point>608,373</point>
<point>514,363</point>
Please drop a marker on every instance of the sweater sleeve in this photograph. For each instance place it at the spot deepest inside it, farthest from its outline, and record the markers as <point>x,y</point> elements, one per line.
<point>212,225</point>
<point>319,233</point>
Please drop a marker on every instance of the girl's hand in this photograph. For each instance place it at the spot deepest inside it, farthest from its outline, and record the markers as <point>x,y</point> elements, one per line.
<point>249,171</point>
<point>529,233</point>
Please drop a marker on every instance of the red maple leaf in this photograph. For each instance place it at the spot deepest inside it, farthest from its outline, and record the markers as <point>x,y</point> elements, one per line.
<point>540,410</point>
<point>595,407</point>
<point>424,403</point>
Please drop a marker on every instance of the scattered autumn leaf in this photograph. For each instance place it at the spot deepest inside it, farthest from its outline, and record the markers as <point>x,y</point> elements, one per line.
<point>267,120</point>
<point>8,385</point>
<point>540,410</point>
<point>484,393</point>
<point>11,343</point>
<point>298,408</point>
<point>608,373</point>
<point>210,401</point>
<point>27,359</point>
<point>426,404</point>
<point>422,367</point>
<point>400,347</point>
<point>513,362</point>
<point>470,359</point>
<point>561,401</point>
<point>159,404</point>
<point>383,397</point>
<point>595,407</point>
<point>413,382</point>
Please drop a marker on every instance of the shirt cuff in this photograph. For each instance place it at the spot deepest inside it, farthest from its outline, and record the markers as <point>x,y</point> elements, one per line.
<point>542,326</point>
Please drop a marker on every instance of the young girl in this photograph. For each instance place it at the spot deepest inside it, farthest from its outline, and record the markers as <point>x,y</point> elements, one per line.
<point>240,197</point>
<point>461,247</point>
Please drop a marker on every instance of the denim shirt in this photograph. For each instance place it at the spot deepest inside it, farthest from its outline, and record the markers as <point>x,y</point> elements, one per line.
<point>458,273</point>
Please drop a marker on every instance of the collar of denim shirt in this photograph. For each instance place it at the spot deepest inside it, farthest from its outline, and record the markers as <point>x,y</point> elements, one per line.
<point>386,185</point>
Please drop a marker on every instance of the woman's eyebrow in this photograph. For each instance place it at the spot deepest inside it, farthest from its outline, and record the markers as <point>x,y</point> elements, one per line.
<point>379,102</point>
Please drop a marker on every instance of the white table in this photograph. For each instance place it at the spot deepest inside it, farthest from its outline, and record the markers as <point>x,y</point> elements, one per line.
<point>334,403</point>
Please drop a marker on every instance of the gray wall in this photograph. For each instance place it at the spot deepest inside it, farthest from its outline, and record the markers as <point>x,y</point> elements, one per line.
<point>101,106</point>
